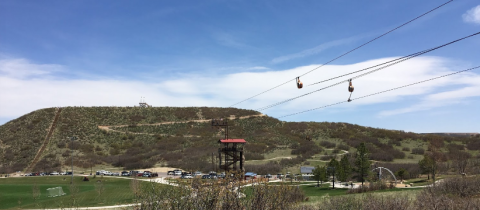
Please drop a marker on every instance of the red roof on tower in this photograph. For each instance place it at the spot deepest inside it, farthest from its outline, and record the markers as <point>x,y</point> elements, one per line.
<point>232,141</point>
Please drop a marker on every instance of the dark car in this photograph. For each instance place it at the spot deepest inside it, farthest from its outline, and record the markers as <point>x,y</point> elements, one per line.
<point>125,173</point>
<point>206,177</point>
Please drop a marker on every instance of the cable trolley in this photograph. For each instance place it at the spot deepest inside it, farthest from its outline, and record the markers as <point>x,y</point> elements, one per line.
<point>299,84</point>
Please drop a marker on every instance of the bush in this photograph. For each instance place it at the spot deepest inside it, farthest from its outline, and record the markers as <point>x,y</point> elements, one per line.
<point>343,147</point>
<point>366,202</point>
<point>327,144</point>
<point>222,194</point>
<point>269,168</point>
<point>454,193</point>
<point>418,151</point>
<point>473,145</point>
<point>372,186</point>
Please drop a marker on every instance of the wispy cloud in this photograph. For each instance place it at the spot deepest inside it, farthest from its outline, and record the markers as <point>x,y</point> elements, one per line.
<point>314,50</point>
<point>472,15</point>
<point>445,98</point>
<point>258,68</point>
<point>228,40</point>
<point>22,68</point>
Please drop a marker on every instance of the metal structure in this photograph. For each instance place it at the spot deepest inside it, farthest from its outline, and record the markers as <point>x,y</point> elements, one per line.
<point>230,152</point>
<point>221,123</point>
<point>230,155</point>
<point>385,176</point>
<point>143,104</point>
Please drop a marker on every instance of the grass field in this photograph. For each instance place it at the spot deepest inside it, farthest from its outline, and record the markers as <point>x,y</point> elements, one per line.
<point>18,193</point>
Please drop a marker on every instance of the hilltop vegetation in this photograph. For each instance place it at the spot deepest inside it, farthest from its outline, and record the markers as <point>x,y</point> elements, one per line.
<point>134,137</point>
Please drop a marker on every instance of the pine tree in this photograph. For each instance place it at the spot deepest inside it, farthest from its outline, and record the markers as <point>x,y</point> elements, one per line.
<point>362,162</point>
<point>320,174</point>
<point>345,169</point>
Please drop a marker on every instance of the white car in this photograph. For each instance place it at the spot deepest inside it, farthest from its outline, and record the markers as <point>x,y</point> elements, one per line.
<point>197,173</point>
<point>177,172</point>
<point>187,177</point>
<point>108,173</point>
<point>54,173</point>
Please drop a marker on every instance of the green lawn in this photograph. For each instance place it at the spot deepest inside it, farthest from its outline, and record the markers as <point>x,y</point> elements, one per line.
<point>17,193</point>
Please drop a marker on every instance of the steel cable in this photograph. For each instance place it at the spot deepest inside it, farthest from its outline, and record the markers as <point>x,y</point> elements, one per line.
<point>378,37</point>
<point>384,91</point>
<point>397,61</point>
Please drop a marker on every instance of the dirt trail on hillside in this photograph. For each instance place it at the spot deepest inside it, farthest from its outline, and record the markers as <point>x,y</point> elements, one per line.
<point>45,142</point>
<point>109,127</point>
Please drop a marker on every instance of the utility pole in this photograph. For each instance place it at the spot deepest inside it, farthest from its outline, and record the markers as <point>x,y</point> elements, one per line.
<point>71,148</point>
<point>213,164</point>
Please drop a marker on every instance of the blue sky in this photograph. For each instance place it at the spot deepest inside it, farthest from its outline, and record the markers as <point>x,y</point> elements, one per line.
<point>217,53</point>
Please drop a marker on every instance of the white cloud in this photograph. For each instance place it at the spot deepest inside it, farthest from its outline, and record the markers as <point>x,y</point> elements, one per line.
<point>22,68</point>
<point>445,98</point>
<point>312,51</point>
<point>258,68</point>
<point>26,91</point>
<point>472,15</point>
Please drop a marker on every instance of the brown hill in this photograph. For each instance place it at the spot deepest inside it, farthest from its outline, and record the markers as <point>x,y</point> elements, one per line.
<point>134,137</point>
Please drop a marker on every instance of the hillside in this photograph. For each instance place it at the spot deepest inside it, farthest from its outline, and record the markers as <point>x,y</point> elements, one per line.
<point>133,137</point>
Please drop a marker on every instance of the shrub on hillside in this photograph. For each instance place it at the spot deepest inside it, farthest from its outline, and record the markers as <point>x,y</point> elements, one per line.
<point>263,169</point>
<point>418,151</point>
<point>343,147</point>
<point>453,193</point>
<point>473,145</point>
<point>327,144</point>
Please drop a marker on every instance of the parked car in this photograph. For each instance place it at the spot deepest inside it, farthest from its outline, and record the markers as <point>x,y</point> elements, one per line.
<point>134,173</point>
<point>177,172</point>
<point>125,173</point>
<point>171,173</point>
<point>115,174</point>
<point>279,176</point>
<point>54,173</point>
<point>268,176</point>
<point>197,173</point>
<point>187,176</point>
<point>206,176</point>
<point>107,173</point>
<point>69,173</point>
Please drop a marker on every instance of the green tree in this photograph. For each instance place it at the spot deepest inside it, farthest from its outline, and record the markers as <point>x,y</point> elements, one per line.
<point>428,165</point>
<point>344,169</point>
<point>402,173</point>
<point>362,162</point>
<point>320,174</point>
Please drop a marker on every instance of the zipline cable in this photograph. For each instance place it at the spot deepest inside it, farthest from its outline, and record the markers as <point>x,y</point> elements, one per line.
<point>378,37</point>
<point>365,96</point>
<point>397,61</point>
